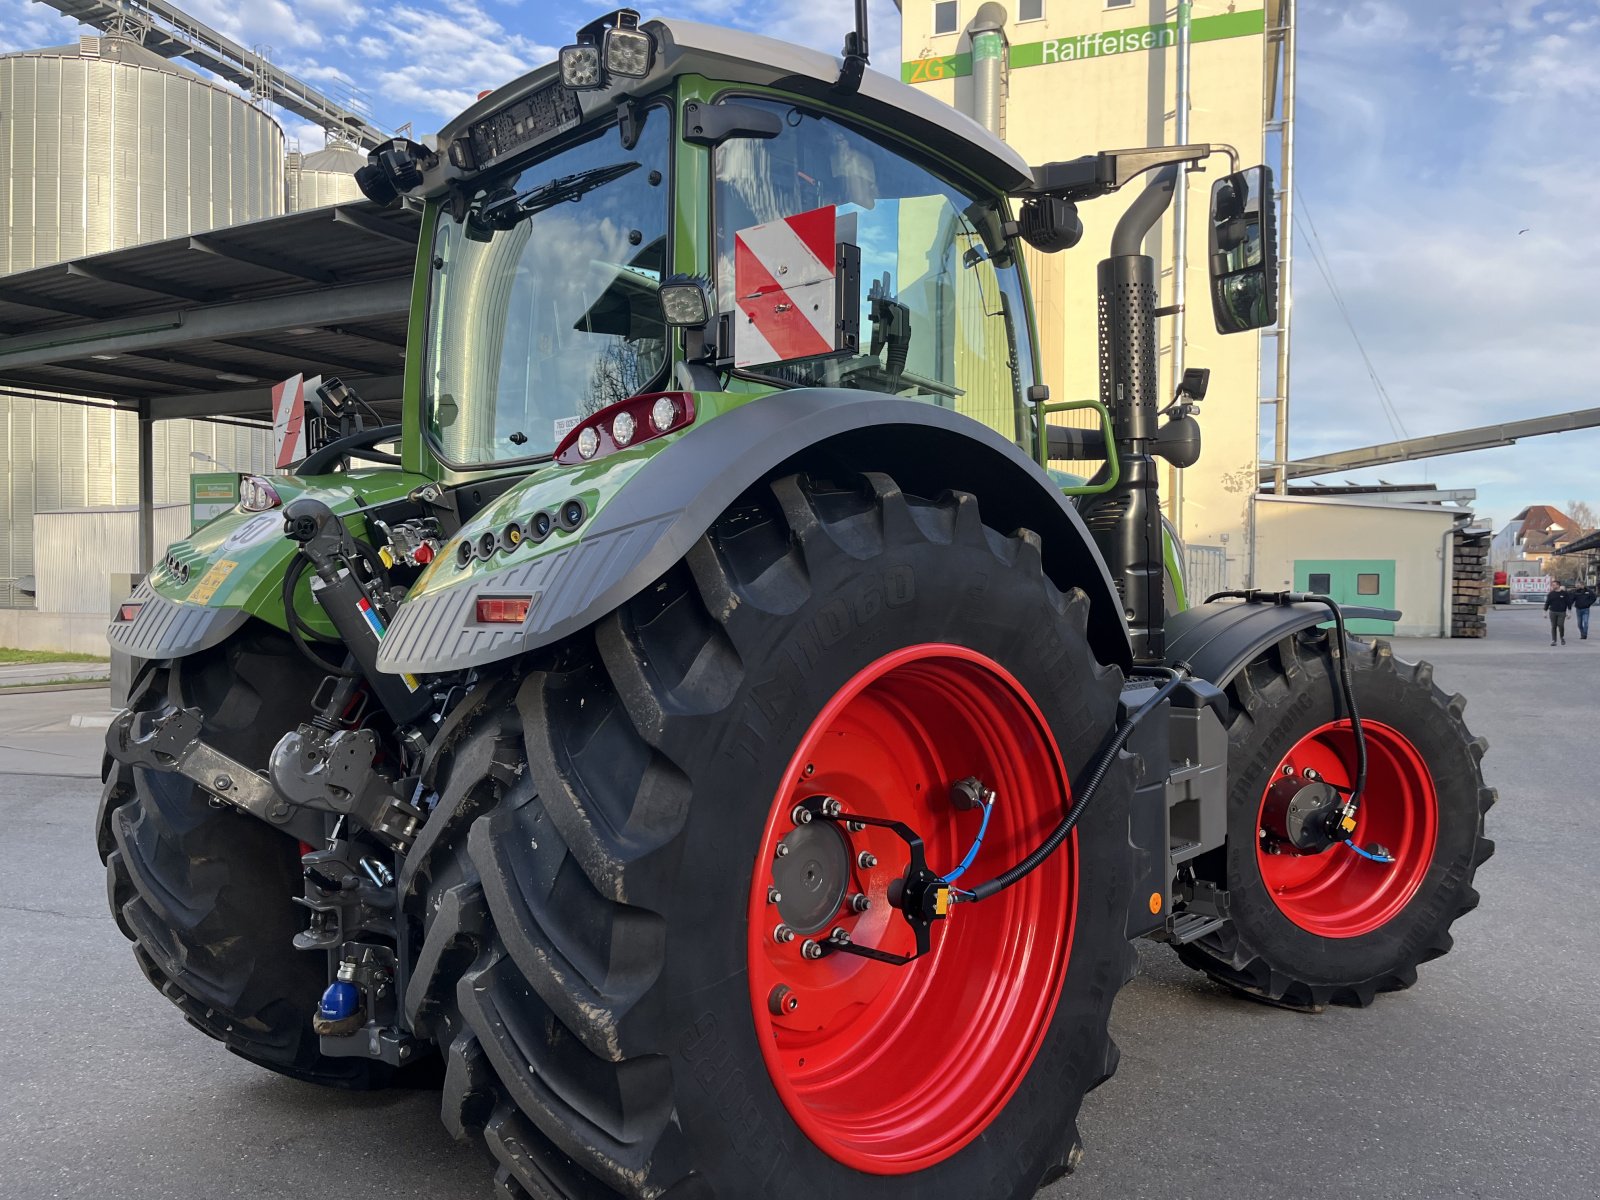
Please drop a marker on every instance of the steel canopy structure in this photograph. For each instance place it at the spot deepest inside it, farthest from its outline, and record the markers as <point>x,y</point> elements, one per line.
<point>203,325</point>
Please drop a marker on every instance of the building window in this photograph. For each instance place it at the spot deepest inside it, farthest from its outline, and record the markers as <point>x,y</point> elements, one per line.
<point>1119,3</point>
<point>944,16</point>
<point>1320,584</point>
<point>1030,10</point>
<point>1366,585</point>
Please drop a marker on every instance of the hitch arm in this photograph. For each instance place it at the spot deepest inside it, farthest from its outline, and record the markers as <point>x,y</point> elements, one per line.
<point>173,744</point>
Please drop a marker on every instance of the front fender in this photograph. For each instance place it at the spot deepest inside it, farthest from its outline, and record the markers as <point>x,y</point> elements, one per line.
<point>672,497</point>
<point>1215,641</point>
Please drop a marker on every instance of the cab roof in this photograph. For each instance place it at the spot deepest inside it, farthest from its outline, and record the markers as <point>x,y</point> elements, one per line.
<point>693,48</point>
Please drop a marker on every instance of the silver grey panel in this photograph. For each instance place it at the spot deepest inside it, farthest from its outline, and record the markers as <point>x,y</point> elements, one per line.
<point>164,629</point>
<point>441,633</point>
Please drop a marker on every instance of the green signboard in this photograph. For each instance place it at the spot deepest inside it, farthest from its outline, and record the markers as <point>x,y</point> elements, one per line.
<point>211,495</point>
<point>1093,45</point>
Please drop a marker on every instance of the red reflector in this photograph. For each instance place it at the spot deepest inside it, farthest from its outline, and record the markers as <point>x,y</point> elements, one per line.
<point>128,612</point>
<point>509,610</point>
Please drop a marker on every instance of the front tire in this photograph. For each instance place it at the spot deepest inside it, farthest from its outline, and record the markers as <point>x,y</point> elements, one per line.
<point>596,949</point>
<point>1333,927</point>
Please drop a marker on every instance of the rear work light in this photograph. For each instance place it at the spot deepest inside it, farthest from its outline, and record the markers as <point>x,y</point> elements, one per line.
<point>128,612</point>
<point>504,610</point>
<point>625,423</point>
<point>257,495</point>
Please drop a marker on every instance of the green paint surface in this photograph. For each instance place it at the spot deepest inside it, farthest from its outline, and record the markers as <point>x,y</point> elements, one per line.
<point>1343,585</point>
<point>1099,44</point>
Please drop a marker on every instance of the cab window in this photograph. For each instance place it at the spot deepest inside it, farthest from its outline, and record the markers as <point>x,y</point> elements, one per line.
<point>941,310</point>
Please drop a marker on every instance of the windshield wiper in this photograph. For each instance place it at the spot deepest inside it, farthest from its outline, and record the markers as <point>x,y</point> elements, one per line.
<point>506,209</point>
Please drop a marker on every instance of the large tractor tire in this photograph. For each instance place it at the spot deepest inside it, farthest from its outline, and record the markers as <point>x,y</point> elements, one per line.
<point>1336,927</point>
<point>205,892</point>
<point>603,961</point>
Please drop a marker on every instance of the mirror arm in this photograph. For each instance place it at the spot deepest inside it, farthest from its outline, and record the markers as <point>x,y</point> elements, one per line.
<point>1103,173</point>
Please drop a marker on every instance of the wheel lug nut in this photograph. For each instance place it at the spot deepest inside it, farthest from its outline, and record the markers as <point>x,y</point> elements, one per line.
<point>839,935</point>
<point>832,807</point>
<point>774,896</point>
<point>801,815</point>
<point>783,934</point>
<point>867,860</point>
<point>859,903</point>
<point>782,1001</point>
<point>811,949</point>
<point>782,850</point>
<point>856,826</point>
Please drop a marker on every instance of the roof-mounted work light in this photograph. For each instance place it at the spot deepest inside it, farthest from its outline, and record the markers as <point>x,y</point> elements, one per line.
<point>612,45</point>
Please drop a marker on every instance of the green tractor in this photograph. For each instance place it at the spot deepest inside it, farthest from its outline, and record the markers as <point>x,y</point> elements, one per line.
<point>717,747</point>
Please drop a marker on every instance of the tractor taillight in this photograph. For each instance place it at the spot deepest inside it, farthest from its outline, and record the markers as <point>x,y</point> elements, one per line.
<point>626,423</point>
<point>128,612</point>
<point>504,610</point>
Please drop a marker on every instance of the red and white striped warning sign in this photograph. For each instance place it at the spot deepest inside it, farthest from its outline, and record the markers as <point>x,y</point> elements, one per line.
<point>289,421</point>
<point>783,278</point>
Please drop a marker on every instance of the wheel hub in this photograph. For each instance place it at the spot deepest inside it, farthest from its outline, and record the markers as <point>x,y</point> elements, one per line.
<point>811,873</point>
<point>1300,815</point>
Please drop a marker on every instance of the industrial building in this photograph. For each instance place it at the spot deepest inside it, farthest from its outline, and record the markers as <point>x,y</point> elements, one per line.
<point>1062,78</point>
<point>107,144</point>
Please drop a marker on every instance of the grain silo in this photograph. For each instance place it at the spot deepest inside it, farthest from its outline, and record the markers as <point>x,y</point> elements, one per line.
<point>324,177</point>
<point>104,144</point>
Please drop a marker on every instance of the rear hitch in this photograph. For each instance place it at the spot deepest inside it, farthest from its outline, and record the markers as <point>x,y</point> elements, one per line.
<point>172,743</point>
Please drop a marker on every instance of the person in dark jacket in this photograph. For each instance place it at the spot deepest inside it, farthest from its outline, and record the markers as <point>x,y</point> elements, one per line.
<point>1582,600</point>
<point>1556,603</point>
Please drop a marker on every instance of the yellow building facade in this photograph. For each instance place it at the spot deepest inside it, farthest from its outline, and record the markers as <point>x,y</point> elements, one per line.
<point>1080,76</point>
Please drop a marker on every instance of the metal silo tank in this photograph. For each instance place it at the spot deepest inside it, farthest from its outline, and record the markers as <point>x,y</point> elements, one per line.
<point>104,144</point>
<point>324,177</point>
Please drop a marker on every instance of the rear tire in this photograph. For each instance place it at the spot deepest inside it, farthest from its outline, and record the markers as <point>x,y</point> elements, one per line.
<point>205,892</point>
<point>584,880</point>
<point>1334,928</point>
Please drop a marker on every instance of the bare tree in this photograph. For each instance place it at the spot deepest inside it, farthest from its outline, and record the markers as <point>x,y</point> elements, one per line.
<point>1582,514</point>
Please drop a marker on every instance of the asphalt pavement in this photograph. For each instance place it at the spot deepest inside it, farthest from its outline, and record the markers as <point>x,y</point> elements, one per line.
<point>1482,1081</point>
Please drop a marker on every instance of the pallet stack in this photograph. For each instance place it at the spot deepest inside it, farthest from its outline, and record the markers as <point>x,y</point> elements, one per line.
<point>1469,600</point>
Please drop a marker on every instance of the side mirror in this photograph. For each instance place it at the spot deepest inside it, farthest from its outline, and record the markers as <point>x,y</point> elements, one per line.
<point>1244,251</point>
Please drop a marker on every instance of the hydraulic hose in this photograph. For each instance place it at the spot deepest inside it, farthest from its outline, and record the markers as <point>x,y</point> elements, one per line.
<point>1346,683</point>
<point>1083,793</point>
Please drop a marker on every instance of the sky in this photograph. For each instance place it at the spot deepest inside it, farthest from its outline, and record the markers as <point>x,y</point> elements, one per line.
<point>1446,184</point>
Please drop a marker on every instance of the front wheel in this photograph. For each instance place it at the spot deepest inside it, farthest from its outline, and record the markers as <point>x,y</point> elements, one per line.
<point>1324,922</point>
<point>622,911</point>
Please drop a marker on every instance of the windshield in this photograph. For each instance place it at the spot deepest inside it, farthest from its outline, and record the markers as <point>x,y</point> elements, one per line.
<point>543,306</point>
<point>941,314</point>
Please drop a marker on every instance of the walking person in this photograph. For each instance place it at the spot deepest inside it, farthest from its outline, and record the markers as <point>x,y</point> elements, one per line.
<point>1556,603</point>
<point>1582,600</point>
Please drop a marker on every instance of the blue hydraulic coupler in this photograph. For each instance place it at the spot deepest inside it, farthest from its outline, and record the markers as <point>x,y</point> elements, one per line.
<point>340,1001</point>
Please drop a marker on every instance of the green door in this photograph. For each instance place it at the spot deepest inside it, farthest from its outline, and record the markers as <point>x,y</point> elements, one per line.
<point>1351,581</point>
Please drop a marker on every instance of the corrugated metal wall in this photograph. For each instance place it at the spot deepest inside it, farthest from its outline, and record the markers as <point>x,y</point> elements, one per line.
<point>99,152</point>
<point>79,550</point>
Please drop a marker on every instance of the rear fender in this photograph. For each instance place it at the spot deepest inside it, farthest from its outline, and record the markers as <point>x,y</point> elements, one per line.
<point>672,497</point>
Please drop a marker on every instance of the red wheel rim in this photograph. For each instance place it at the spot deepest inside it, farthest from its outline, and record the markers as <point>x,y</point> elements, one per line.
<point>1337,893</point>
<point>893,1069</point>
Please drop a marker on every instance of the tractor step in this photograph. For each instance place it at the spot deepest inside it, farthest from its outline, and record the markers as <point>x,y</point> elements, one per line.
<point>1186,927</point>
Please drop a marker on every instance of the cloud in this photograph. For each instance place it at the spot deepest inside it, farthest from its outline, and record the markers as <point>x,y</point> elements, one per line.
<point>1473,126</point>
<point>437,63</point>
<point>25,25</point>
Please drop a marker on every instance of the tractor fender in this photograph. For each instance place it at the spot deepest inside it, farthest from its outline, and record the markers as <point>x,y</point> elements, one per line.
<point>1214,641</point>
<point>163,628</point>
<point>675,497</point>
